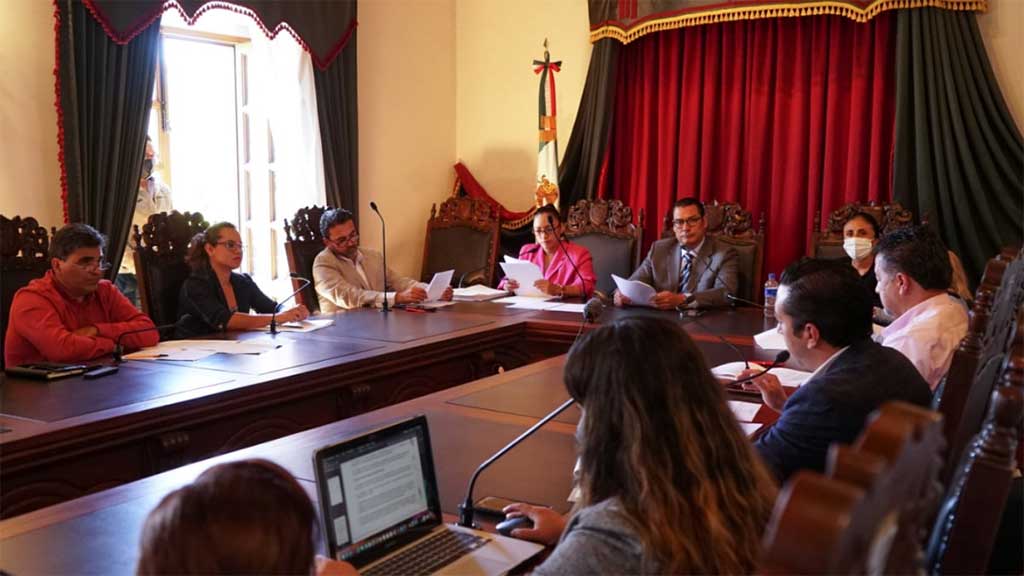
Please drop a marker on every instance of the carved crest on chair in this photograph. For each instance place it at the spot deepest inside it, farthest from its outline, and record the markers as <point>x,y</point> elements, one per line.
<point>889,216</point>
<point>305,227</point>
<point>609,217</point>
<point>24,244</point>
<point>463,211</point>
<point>166,235</point>
<point>729,219</point>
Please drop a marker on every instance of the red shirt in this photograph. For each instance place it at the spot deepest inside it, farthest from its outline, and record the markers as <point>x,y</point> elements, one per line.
<point>43,320</point>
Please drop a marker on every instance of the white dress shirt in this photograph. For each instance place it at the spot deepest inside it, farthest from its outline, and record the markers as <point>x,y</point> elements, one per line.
<point>928,334</point>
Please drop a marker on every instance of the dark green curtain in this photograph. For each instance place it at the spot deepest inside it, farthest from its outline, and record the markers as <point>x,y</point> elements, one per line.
<point>959,157</point>
<point>106,92</point>
<point>337,109</point>
<point>584,156</point>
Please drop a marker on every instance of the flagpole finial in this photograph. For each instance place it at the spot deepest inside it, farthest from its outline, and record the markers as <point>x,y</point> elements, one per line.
<point>545,43</point>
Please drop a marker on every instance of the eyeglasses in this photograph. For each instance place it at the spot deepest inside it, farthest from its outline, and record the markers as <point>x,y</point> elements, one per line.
<point>91,265</point>
<point>692,221</point>
<point>345,239</point>
<point>544,230</point>
<point>232,245</point>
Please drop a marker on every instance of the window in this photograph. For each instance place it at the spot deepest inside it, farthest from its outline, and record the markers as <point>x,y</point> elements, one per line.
<point>235,123</point>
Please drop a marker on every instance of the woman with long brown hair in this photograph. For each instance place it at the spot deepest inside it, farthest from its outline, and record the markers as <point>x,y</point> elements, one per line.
<point>668,481</point>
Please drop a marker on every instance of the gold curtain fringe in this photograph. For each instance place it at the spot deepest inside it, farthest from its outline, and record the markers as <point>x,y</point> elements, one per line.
<point>779,11</point>
<point>511,225</point>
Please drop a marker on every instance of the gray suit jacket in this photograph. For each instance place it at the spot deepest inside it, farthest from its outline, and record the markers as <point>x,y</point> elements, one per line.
<point>339,286</point>
<point>714,274</point>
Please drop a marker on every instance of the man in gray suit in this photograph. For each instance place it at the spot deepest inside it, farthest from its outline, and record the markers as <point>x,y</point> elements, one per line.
<point>347,277</point>
<point>691,270</point>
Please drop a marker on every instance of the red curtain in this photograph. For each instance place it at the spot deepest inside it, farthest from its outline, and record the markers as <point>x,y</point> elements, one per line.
<point>786,116</point>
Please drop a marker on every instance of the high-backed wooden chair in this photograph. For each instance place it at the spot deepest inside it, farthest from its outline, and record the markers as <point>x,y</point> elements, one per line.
<point>605,227</point>
<point>463,236</point>
<point>963,537</point>
<point>827,242</point>
<point>161,247</point>
<point>864,515</point>
<point>304,241</point>
<point>24,247</point>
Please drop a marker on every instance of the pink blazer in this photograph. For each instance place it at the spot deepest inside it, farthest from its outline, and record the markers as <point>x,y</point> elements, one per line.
<point>560,270</point>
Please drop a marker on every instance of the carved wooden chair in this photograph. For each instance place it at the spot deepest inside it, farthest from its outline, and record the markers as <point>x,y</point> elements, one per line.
<point>827,242</point>
<point>304,241</point>
<point>463,236</point>
<point>24,256</point>
<point>865,514</point>
<point>965,531</point>
<point>605,227</point>
<point>161,248</point>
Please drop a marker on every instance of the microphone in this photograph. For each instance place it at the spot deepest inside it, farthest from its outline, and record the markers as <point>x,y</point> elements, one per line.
<point>583,283</point>
<point>466,509</point>
<point>118,352</point>
<point>737,300</point>
<point>779,359</point>
<point>277,307</point>
<point>593,310</point>
<point>384,253</point>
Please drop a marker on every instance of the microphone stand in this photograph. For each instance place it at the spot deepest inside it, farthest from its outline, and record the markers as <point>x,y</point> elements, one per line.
<point>384,254</point>
<point>737,300</point>
<point>583,283</point>
<point>466,509</point>
<point>118,352</point>
<point>277,306</point>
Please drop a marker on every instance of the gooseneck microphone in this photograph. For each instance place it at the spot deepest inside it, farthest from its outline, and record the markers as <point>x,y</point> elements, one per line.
<point>466,510</point>
<point>118,352</point>
<point>277,305</point>
<point>779,359</point>
<point>384,253</point>
<point>583,283</point>
<point>723,339</point>
<point>737,300</point>
<point>593,310</point>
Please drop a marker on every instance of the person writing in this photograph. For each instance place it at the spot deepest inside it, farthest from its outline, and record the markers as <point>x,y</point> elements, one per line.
<point>560,278</point>
<point>72,314</point>
<point>214,298</point>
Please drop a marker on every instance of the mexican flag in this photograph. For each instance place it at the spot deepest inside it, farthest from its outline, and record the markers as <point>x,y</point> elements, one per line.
<point>547,150</point>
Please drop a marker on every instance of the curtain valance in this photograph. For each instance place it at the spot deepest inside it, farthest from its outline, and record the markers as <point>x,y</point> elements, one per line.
<point>627,20</point>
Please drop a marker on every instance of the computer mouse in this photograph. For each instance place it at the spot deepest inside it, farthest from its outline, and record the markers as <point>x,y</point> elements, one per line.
<point>506,527</point>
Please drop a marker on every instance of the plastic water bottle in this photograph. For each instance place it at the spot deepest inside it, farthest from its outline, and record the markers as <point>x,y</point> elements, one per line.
<point>771,288</point>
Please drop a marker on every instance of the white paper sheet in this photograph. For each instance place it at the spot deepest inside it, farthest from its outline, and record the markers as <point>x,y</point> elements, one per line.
<point>744,411</point>
<point>308,325</point>
<point>639,293</point>
<point>199,349</point>
<point>574,308</point>
<point>786,376</point>
<point>512,259</point>
<point>749,428</point>
<point>526,274</point>
<point>770,339</point>
<point>477,293</point>
<point>514,300</point>
<point>528,303</point>
<point>438,283</point>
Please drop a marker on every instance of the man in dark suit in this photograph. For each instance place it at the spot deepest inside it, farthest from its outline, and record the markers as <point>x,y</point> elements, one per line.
<point>825,318</point>
<point>692,269</point>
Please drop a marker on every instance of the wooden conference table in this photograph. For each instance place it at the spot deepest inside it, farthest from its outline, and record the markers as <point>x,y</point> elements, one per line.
<point>98,533</point>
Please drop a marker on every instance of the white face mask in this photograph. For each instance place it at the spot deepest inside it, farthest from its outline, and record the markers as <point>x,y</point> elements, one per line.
<point>857,248</point>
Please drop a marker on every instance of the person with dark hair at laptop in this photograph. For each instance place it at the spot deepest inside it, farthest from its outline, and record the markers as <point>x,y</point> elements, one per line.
<point>669,483</point>
<point>245,517</point>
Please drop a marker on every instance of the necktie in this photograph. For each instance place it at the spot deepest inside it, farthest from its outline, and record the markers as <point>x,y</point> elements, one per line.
<point>684,273</point>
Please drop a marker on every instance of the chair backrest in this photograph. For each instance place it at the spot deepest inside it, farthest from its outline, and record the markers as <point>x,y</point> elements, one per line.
<point>304,241</point>
<point>965,531</point>
<point>828,242</point>
<point>161,248</point>
<point>24,256</point>
<point>606,228</point>
<point>463,236</point>
<point>862,515</point>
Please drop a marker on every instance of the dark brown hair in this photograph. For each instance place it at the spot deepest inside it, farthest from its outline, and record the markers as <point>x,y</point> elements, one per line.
<point>245,517</point>
<point>72,237</point>
<point>659,436</point>
<point>197,257</point>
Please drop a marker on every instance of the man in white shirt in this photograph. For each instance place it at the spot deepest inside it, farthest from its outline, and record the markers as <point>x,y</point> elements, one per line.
<point>153,197</point>
<point>914,274</point>
<point>347,277</point>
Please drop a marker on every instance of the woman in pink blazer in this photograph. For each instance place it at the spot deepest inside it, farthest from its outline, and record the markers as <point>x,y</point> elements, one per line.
<point>559,277</point>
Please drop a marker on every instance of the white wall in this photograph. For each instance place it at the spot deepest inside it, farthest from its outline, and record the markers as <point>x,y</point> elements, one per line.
<point>1001,30</point>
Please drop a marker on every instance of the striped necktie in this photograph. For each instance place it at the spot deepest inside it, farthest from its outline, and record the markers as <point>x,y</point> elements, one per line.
<point>684,272</point>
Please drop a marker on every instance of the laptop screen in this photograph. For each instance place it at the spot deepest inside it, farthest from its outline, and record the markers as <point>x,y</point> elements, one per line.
<point>377,491</point>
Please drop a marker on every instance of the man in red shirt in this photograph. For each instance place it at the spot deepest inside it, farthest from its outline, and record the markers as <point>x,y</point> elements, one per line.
<point>71,314</point>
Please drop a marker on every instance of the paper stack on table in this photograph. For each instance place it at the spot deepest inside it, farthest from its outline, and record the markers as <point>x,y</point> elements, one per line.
<point>199,349</point>
<point>478,293</point>
<point>786,376</point>
<point>639,293</point>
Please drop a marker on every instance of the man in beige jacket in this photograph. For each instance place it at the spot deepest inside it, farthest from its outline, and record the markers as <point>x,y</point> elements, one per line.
<point>347,277</point>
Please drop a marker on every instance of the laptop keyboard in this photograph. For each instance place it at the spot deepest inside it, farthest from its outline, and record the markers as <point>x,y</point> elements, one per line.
<point>429,555</point>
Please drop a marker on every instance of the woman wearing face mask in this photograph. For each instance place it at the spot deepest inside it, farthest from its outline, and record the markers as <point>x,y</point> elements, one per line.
<point>860,234</point>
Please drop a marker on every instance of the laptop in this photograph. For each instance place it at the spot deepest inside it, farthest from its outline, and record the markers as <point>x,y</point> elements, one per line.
<point>380,510</point>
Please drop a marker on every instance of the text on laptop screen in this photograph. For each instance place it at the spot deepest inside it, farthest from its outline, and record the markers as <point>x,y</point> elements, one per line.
<point>377,491</point>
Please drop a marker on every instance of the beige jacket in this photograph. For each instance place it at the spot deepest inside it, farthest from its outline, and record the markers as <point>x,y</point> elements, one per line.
<point>339,286</point>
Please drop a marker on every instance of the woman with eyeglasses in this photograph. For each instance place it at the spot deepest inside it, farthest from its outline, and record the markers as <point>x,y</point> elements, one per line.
<point>216,299</point>
<point>560,277</point>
